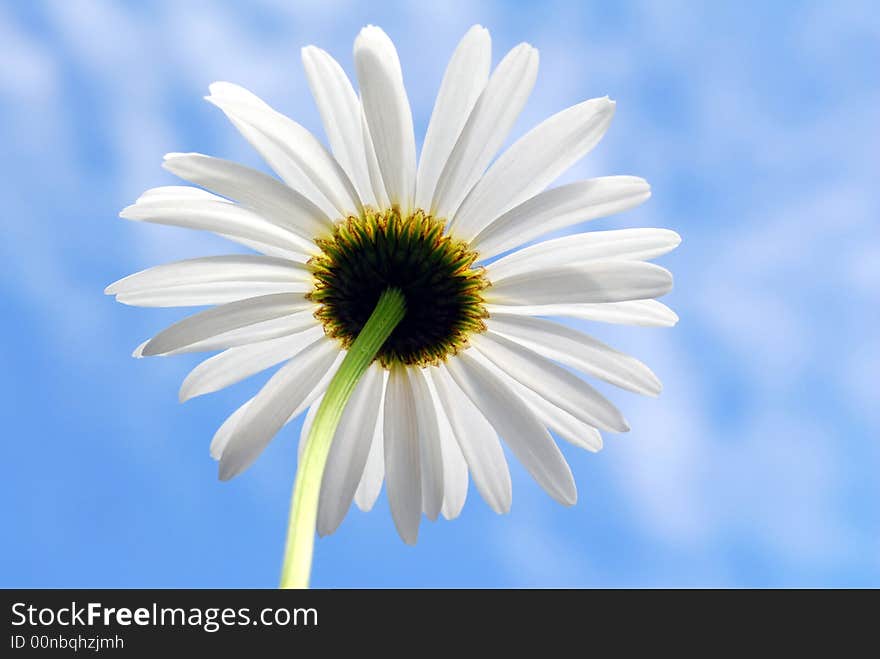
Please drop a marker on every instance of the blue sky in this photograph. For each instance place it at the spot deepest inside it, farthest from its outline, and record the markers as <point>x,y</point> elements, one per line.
<point>756,124</point>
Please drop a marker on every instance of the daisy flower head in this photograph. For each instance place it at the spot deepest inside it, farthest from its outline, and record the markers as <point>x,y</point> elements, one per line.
<point>433,274</point>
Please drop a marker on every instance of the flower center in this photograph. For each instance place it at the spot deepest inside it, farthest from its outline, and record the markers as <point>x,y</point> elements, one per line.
<point>365,255</point>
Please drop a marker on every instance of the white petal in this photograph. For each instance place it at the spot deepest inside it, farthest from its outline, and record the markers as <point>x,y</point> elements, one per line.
<point>559,386</point>
<point>224,318</point>
<point>402,462</point>
<point>623,244</point>
<point>226,269</point>
<point>517,424</point>
<point>211,213</point>
<point>271,199</point>
<point>290,140</point>
<point>202,295</point>
<point>273,153</point>
<point>341,114</point>
<point>478,442</point>
<point>565,425</point>
<point>647,313</point>
<point>533,162</point>
<point>487,127</point>
<point>572,348</point>
<point>376,181</point>
<point>594,281</point>
<point>559,208</point>
<point>430,452</point>
<point>225,431</point>
<point>236,364</point>
<point>374,470</point>
<point>270,409</point>
<point>464,80</point>
<point>262,331</point>
<point>455,470</point>
<point>388,113</point>
<point>349,450</point>
<point>310,403</point>
<point>271,250</point>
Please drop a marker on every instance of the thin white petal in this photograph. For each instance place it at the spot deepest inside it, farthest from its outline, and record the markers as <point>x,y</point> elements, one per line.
<point>388,113</point>
<point>569,428</point>
<point>573,348</point>
<point>203,295</point>
<point>211,213</point>
<point>559,386</point>
<point>478,442</point>
<point>376,181</point>
<point>487,127</point>
<point>430,452</point>
<point>402,462</point>
<point>286,137</point>
<point>270,409</point>
<point>225,431</point>
<point>236,364</point>
<point>271,199</point>
<point>532,163</point>
<point>226,269</point>
<point>517,424</point>
<point>559,208</point>
<point>349,450</point>
<point>646,313</point>
<point>622,244</point>
<point>455,469</point>
<point>262,331</point>
<point>341,114</point>
<point>310,403</point>
<point>374,470</point>
<point>594,281</point>
<point>224,318</point>
<point>463,82</point>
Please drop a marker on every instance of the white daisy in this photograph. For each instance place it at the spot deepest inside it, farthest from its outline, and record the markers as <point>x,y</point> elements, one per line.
<point>474,360</point>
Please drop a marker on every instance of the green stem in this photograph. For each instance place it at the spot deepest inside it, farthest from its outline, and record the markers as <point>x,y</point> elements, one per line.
<point>297,566</point>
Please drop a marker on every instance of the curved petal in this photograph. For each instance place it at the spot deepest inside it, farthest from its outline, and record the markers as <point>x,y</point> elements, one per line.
<point>430,452</point>
<point>349,451</point>
<point>305,156</point>
<point>309,403</point>
<point>271,199</point>
<point>559,208</point>
<point>486,128</point>
<point>646,313</point>
<point>402,461</point>
<point>172,206</point>
<point>203,295</point>
<point>463,82</point>
<point>224,318</point>
<point>455,469</point>
<point>236,364</point>
<point>622,244</point>
<point>478,442</point>
<point>225,269</point>
<point>572,348</point>
<point>568,427</point>
<point>388,113</point>
<point>559,386</point>
<point>261,331</point>
<point>594,281</point>
<point>341,114</point>
<point>374,470</point>
<point>533,162</point>
<point>517,424</point>
<point>270,409</point>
